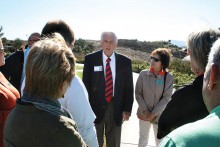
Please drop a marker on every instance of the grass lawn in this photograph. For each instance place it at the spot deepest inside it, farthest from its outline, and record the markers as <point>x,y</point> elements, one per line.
<point>79,70</point>
<point>79,73</point>
<point>79,67</point>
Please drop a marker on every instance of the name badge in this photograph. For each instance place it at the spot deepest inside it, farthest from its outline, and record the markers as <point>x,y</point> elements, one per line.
<point>97,68</point>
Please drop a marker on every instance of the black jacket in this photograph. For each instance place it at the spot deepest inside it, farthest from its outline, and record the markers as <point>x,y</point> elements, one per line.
<point>95,84</point>
<point>186,106</point>
<point>13,68</point>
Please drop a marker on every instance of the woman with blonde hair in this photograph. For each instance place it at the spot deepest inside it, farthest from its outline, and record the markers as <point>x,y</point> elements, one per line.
<point>38,118</point>
<point>186,104</point>
<point>153,91</point>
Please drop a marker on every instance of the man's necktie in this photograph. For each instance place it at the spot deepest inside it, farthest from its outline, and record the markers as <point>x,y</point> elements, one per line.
<point>108,82</point>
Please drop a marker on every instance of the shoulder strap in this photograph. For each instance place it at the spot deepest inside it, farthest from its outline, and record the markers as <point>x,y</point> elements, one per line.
<point>163,85</point>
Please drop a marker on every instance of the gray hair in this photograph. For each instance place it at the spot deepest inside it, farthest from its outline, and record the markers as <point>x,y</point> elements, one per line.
<point>199,44</point>
<point>214,56</point>
<point>50,62</point>
<point>110,34</point>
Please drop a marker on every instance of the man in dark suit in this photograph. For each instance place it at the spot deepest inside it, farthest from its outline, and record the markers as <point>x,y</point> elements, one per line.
<point>107,76</point>
<point>13,68</point>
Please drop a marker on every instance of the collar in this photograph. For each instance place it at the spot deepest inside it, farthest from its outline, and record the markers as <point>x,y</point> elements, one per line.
<point>27,49</point>
<point>216,109</point>
<point>112,57</point>
<point>161,73</point>
<point>46,104</point>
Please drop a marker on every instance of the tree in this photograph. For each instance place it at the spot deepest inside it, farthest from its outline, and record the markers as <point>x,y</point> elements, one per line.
<point>89,48</point>
<point>83,46</point>
<point>17,43</point>
<point>1,34</point>
<point>4,40</point>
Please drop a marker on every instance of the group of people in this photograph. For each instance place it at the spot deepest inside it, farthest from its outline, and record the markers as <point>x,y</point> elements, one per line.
<point>168,111</point>
<point>202,129</point>
<point>56,108</point>
<point>47,73</point>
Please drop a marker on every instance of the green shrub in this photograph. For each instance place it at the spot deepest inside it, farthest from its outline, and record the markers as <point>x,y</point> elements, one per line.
<point>79,57</point>
<point>138,66</point>
<point>79,74</point>
<point>181,71</point>
<point>181,78</point>
<point>179,65</point>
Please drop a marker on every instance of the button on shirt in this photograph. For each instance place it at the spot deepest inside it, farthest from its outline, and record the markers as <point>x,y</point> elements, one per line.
<point>112,65</point>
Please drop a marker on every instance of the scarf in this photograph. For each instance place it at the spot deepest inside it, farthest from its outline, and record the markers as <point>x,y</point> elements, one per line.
<point>46,104</point>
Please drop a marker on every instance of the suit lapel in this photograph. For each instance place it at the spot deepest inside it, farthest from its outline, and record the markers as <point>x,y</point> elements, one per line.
<point>100,62</point>
<point>117,79</point>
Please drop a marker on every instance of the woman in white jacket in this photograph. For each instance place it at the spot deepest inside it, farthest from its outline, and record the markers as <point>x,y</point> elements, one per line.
<point>153,91</point>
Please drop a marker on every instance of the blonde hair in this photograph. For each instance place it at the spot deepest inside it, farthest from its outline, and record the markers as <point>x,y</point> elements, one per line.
<point>50,63</point>
<point>199,44</point>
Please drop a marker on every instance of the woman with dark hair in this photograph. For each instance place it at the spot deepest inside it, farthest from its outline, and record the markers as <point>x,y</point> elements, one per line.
<point>153,91</point>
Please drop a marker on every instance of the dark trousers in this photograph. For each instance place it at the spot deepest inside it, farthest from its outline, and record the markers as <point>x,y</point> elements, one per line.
<point>109,128</point>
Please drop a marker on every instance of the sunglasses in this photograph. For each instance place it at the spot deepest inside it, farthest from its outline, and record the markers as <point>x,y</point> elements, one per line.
<point>155,59</point>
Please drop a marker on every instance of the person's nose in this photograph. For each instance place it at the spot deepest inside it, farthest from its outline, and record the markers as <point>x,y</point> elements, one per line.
<point>108,44</point>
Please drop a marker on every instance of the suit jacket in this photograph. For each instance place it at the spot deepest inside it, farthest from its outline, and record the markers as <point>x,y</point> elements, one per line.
<point>186,106</point>
<point>95,84</point>
<point>13,68</point>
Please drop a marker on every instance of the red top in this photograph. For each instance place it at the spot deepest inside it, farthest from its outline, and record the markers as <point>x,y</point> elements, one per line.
<point>161,72</point>
<point>8,96</point>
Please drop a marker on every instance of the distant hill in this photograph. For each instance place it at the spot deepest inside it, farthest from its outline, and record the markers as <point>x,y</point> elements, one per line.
<point>137,50</point>
<point>179,43</point>
<point>131,53</point>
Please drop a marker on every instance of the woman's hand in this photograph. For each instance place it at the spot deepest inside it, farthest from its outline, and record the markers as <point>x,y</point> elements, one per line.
<point>150,116</point>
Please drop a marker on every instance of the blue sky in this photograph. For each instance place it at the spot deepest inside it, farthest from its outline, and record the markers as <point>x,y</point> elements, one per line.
<point>147,20</point>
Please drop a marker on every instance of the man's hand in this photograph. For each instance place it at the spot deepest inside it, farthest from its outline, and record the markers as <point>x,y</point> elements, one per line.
<point>125,116</point>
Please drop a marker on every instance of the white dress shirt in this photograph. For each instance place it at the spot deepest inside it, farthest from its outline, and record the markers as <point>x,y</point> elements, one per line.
<point>112,65</point>
<point>26,52</point>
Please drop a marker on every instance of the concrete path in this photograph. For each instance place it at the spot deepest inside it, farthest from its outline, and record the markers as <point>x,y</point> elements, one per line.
<point>130,129</point>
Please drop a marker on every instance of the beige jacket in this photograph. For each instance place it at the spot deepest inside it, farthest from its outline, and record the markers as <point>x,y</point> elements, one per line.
<point>148,91</point>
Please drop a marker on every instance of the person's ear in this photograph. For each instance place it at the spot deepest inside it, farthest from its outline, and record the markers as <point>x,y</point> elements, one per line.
<point>214,75</point>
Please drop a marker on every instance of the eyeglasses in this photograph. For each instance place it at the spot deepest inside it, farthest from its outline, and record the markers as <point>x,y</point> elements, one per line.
<point>155,59</point>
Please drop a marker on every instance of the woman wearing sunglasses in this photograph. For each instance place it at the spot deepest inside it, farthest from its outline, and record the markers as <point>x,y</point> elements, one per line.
<point>153,91</point>
<point>8,95</point>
